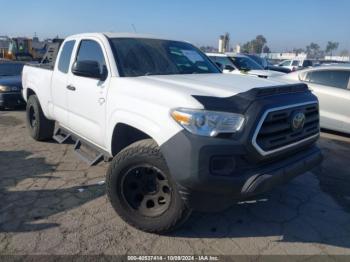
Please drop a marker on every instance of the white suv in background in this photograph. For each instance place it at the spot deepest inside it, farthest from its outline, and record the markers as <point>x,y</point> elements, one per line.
<point>294,65</point>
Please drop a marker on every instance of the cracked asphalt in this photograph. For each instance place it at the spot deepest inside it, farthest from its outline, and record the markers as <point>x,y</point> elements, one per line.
<point>52,203</point>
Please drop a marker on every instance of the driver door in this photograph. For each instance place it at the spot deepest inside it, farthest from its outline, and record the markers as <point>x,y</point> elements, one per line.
<point>87,96</point>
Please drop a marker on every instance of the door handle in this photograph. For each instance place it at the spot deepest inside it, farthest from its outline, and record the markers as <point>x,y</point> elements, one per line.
<point>71,88</point>
<point>101,101</point>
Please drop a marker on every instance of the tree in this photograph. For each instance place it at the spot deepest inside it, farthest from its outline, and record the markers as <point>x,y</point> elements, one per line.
<point>245,48</point>
<point>266,49</point>
<point>313,50</point>
<point>254,46</point>
<point>331,46</point>
<point>297,51</point>
<point>259,43</point>
<point>208,49</point>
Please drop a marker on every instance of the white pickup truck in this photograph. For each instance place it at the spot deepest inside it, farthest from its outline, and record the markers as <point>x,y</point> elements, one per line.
<point>182,136</point>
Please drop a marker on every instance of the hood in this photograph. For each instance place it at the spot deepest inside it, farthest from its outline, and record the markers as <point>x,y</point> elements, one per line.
<point>218,85</point>
<point>288,78</point>
<point>279,69</point>
<point>265,73</point>
<point>11,81</point>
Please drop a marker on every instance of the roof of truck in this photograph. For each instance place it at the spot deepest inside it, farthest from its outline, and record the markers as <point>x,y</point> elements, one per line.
<point>120,35</point>
<point>327,67</point>
<point>216,54</point>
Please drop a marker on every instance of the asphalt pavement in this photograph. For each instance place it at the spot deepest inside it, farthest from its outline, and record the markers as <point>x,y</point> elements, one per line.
<point>52,203</point>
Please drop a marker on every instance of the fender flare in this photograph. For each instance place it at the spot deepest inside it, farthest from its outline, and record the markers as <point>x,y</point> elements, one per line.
<point>137,121</point>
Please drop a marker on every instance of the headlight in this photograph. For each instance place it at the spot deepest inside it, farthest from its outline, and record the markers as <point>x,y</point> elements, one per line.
<point>9,88</point>
<point>5,89</point>
<point>208,123</point>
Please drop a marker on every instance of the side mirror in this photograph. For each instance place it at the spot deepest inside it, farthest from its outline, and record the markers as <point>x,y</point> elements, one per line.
<point>229,68</point>
<point>90,69</point>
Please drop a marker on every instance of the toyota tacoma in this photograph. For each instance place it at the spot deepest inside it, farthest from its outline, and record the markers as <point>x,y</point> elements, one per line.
<point>180,135</point>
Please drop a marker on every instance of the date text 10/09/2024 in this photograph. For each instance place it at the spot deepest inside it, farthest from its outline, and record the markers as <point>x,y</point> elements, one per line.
<point>173,258</point>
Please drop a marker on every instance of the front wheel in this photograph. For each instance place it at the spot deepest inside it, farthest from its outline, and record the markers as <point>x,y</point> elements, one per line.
<point>40,128</point>
<point>142,191</point>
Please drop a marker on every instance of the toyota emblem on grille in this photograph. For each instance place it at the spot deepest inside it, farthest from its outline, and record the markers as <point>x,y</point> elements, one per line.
<point>298,120</point>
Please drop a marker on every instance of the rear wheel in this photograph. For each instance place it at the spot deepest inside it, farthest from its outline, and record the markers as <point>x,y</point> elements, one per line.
<point>40,128</point>
<point>141,190</point>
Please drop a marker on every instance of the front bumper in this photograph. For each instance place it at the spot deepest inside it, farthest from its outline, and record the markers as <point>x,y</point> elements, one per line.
<point>11,100</point>
<point>220,170</point>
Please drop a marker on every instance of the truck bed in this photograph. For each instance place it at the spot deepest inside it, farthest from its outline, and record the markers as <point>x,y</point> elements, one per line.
<point>38,79</point>
<point>47,66</point>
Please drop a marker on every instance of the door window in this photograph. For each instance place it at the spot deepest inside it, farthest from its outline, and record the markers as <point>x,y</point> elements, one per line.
<point>90,50</point>
<point>67,49</point>
<point>334,78</point>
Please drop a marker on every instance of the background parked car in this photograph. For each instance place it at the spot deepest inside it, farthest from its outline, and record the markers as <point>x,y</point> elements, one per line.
<point>241,64</point>
<point>267,65</point>
<point>294,65</point>
<point>331,85</point>
<point>23,57</point>
<point>11,84</point>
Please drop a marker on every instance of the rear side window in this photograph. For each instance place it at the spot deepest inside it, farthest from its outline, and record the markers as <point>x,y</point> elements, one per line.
<point>295,63</point>
<point>67,49</point>
<point>333,78</point>
<point>90,50</point>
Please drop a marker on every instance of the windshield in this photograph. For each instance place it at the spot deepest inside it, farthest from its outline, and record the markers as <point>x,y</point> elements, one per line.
<point>223,60</point>
<point>245,63</point>
<point>142,57</point>
<point>10,69</point>
<point>285,63</point>
<point>259,60</point>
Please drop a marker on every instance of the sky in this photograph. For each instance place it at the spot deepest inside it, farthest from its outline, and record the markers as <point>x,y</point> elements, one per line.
<point>285,24</point>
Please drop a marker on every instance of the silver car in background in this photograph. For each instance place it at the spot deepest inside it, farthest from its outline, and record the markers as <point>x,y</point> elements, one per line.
<point>331,85</point>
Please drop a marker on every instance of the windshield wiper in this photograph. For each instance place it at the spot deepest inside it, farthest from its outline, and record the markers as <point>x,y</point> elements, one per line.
<point>155,73</point>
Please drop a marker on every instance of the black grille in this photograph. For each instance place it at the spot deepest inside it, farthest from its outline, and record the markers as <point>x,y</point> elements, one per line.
<point>276,130</point>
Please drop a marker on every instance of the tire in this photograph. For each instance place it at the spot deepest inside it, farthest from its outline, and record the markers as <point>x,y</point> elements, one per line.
<point>40,128</point>
<point>141,190</point>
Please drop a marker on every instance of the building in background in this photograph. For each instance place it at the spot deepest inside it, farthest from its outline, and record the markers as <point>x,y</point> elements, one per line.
<point>337,58</point>
<point>284,56</point>
<point>224,43</point>
<point>237,49</point>
<point>4,46</point>
<point>28,49</point>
